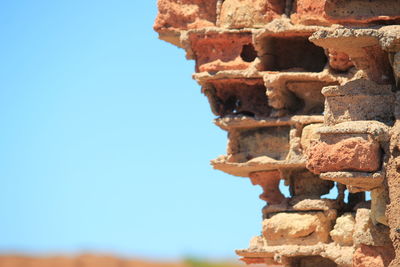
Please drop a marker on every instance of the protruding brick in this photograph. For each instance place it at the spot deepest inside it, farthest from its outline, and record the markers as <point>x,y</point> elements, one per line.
<point>185,14</point>
<point>351,154</point>
<point>373,256</point>
<point>249,13</point>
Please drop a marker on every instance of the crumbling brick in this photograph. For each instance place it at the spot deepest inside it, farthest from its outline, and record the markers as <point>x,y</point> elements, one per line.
<point>307,91</point>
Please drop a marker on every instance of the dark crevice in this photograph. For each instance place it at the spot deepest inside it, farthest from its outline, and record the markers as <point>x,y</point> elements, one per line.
<point>248,54</point>
<point>237,98</point>
<point>312,261</point>
<point>294,53</point>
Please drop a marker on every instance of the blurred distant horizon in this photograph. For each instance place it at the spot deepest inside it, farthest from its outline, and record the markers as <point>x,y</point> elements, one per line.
<point>90,260</point>
<point>106,139</point>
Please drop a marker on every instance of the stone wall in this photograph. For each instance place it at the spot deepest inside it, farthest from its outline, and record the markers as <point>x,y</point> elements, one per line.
<point>307,91</point>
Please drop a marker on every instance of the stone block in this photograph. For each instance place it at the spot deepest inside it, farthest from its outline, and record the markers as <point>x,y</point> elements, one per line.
<point>249,13</point>
<point>373,256</point>
<point>272,142</point>
<point>355,181</point>
<point>237,97</point>
<point>339,61</point>
<point>308,135</point>
<point>185,14</point>
<point>309,12</point>
<point>325,12</point>
<point>379,200</point>
<point>269,181</point>
<point>308,228</point>
<point>367,233</point>
<point>360,11</point>
<point>341,102</point>
<point>305,184</point>
<point>215,51</point>
<point>342,232</point>
<point>351,153</point>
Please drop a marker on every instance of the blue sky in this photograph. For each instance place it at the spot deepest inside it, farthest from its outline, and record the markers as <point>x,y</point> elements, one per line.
<point>106,140</point>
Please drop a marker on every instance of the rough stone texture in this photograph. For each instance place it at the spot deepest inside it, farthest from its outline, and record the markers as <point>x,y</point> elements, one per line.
<point>372,256</point>
<point>272,142</point>
<point>379,200</point>
<point>342,256</point>
<point>350,154</point>
<point>312,99</point>
<point>393,181</point>
<point>363,48</point>
<point>299,204</point>
<point>355,181</point>
<point>185,14</point>
<point>309,135</point>
<point>339,61</point>
<point>342,108</point>
<point>269,181</point>
<point>211,54</point>
<point>342,232</point>
<point>307,184</point>
<point>325,12</point>
<point>297,92</point>
<point>368,233</point>
<point>310,12</point>
<point>308,93</point>
<point>176,15</point>
<point>295,228</point>
<point>339,103</point>
<point>237,96</point>
<point>359,11</point>
<point>396,67</point>
<point>249,13</point>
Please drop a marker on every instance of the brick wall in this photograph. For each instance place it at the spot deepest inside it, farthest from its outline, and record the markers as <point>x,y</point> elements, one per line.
<point>307,91</point>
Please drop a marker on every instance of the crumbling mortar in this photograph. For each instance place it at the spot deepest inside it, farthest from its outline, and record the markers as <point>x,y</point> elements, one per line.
<point>363,40</point>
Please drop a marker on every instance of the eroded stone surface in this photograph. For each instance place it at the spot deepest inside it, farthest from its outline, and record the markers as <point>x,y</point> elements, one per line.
<point>340,102</point>
<point>342,232</point>
<point>368,233</point>
<point>356,181</point>
<point>379,200</point>
<point>358,11</point>
<point>362,47</point>
<point>307,185</point>
<point>309,102</point>
<point>351,154</point>
<point>249,13</point>
<point>309,135</point>
<point>237,97</point>
<point>185,14</point>
<point>339,61</point>
<point>393,180</point>
<point>297,228</point>
<point>373,256</point>
<point>269,181</point>
<point>271,142</point>
<point>310,12</point>
<point>211,54</point>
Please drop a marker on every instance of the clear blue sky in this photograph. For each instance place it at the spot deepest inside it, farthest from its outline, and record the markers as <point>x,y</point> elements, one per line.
<point>106,140</point>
